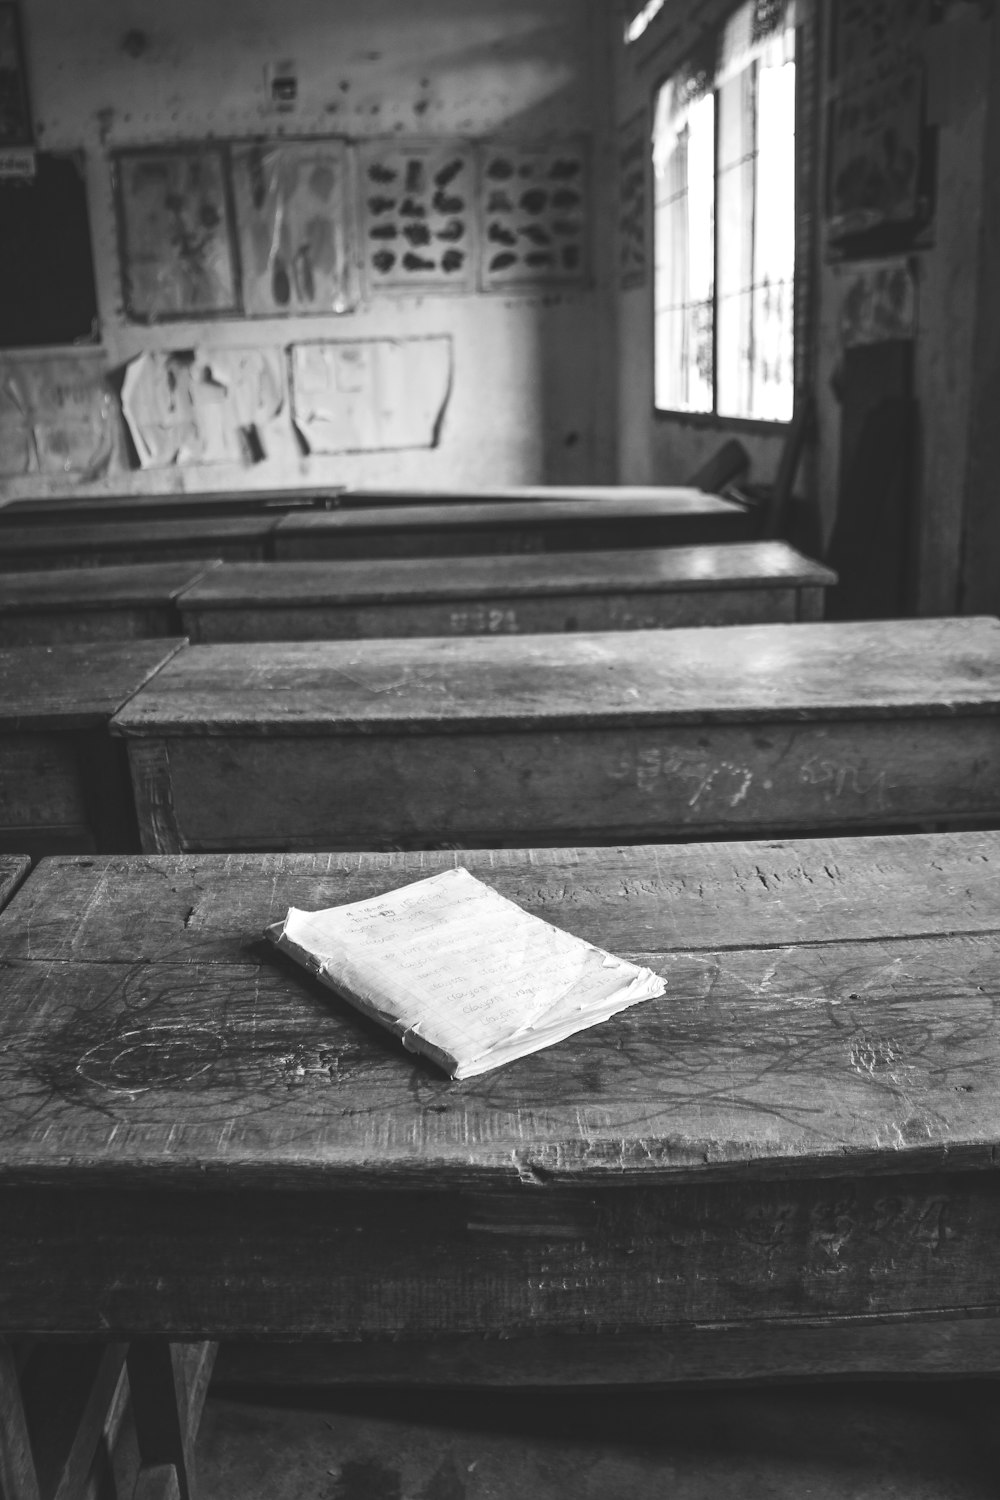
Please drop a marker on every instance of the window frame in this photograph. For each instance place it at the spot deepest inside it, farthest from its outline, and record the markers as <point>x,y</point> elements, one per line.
<point>806,137</point>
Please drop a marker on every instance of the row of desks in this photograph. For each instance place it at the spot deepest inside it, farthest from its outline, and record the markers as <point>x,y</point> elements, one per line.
<point>728,583</point>
<point>626,518</point>
<point>501,740</point>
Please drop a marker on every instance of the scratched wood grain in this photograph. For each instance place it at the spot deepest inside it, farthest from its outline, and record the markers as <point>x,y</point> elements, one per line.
<point>803,1130</point>
<point>633,590</point>
<point>350,1265</point>
<point>682,517</point>
<point>74,686</point>
<point>132,602</point>
<point>567,738</point>
<point>13,869</point>
<point>105,543</point>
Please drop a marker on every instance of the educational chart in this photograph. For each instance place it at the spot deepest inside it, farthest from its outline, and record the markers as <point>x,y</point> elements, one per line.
<point>363,396</point>
<point>176,233</point>
<point>293,214</point>
<point>533,215</point>
<point>633,164</point>
<point>58,415</point>
<point>418,214</point>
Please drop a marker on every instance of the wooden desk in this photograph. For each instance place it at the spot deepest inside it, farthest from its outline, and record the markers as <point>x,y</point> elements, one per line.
<point>785,1166</point>
<point>135,601</point>
<point>105,543</point>
<point>73,509</point>
<point>547,739</point>
<point>523,494</point>
<point>681,517</point>
<point>64,783</point>
<point>726,584</point>
<point>13,869</point>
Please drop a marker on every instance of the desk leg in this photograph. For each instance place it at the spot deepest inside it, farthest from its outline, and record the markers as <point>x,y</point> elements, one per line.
<point>168,1384</point>
<point>18,1478</point>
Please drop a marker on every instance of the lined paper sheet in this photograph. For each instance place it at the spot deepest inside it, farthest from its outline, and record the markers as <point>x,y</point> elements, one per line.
<point>461,973</point>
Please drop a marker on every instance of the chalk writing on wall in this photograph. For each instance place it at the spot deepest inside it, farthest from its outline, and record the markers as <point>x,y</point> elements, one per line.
<point>293,215</point>
<point>876,123</point>
<point>176,233</point>
<point>418,208</point>
<point>633,166</point>
<point>362,396</point>
<point>203,406</point>
<point>533,214</point>
<point>58,416</point>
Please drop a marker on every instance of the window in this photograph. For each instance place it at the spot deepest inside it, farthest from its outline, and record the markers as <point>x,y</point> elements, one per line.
<point>724,224</point>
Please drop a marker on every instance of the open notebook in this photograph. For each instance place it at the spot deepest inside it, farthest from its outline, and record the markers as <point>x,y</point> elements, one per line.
<point>460,973</point>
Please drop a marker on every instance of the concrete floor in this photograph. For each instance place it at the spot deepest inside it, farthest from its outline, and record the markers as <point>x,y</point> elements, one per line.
<point>931,1441</point>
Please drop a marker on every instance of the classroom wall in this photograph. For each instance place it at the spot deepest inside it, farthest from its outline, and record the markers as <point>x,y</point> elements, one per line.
<point>953,504</point>
<point>532,396</point>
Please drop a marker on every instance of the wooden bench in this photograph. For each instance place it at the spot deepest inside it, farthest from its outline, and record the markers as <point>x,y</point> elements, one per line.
<point>680,517</point>
<point>64,782</point>
<point>784,1168</point>
<point>105,543</point>
<point>134,601</point>
<point>726,584</point>
<point>549,738</point>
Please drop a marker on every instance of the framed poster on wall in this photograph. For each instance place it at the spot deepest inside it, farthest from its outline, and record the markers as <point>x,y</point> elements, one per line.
<point>534,215</point>
<point>295,225</point>
<point>418,202</point>
<point>176,233</point>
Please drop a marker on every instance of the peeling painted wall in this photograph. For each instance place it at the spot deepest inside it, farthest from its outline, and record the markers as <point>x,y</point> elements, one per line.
<point>533,392</point>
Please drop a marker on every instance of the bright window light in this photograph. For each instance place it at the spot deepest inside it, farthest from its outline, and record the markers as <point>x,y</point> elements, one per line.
<point>724,229</point>
<point>642,20</point>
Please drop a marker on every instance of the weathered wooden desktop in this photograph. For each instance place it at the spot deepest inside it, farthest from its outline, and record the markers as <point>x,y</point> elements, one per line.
<point>564,739</point>
<point>647,588</point>
<point>784,1167</point>
<point>622,518</point>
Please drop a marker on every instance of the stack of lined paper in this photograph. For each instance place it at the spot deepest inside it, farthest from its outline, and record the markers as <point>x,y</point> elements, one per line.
<point>460,973</point>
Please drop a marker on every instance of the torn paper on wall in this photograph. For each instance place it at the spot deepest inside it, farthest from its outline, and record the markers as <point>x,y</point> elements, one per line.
<point>295,227</point>
<point>367,396</point>
<point>58,415</point>
<point>203,406</point>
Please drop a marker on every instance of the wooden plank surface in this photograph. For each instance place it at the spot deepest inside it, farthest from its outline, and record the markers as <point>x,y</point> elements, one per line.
<point>148,1028</point>
<point>883,669</point>
<point>803,1129</point>
<point>133,601</point>
<point>624,589</point>
<point>557,738</point>
<point>680,517</point>
<point>106,543</point>
<point>75,508</point>
<point>620,495</point>
<point>13,869</point>
<point>74,686</point>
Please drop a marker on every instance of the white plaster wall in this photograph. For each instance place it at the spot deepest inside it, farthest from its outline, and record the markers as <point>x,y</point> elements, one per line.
<point>533,393</point>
